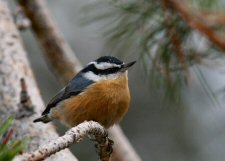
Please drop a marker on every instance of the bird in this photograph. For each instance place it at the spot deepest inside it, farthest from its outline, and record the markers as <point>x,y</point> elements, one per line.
<point>99,92</point>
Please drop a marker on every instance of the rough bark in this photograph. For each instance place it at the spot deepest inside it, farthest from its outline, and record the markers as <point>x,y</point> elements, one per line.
<point>14,66</point>
<point>42,25</point>
<point>95,131</point>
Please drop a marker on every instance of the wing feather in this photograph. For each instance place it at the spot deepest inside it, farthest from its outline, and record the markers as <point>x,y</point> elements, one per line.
<point>73,88</point>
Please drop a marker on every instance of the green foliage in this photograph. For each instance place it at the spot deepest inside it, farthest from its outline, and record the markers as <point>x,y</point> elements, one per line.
<point>9,148</point>
<point>154,32</point>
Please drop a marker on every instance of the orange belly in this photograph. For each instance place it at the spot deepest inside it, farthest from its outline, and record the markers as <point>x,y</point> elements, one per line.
<point>107,105</point>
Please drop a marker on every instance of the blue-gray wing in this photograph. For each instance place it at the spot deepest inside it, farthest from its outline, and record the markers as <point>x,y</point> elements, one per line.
<point>74,87</point>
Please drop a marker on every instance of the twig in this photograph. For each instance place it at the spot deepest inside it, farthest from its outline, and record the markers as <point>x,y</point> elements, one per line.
<point>213,19</point>
<point>175,40</point>
<point>26,107</point>
<point>196,23</point>
<point>65,65</point>
<point>24,96</point>
<point>22,22</point>
<point>75,135</point>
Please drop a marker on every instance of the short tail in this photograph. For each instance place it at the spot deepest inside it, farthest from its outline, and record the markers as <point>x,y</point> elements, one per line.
<point>44,119</point>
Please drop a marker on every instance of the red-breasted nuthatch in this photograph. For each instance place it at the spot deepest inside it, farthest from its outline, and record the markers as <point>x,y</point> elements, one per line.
<point>99,92</point>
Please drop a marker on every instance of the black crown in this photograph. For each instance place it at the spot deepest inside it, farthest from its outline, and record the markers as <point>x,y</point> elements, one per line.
<point>104,59</point>
<point>109,59</point>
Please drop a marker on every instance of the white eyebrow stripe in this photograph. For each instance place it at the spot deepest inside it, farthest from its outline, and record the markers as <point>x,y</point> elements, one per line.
<point>92,76</point>
<point>92,62</point>
<point>104,65</point>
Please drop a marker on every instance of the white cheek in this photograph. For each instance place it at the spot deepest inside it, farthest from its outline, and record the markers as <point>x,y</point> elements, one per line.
<point>92,76</point>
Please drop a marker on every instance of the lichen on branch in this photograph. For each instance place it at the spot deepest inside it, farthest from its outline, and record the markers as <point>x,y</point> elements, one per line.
<point>92,129</point>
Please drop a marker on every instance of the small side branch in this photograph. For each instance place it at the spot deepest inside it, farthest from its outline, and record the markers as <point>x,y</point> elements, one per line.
<point>213,19</point>
<point>21,21</point>
<point>93,129</point>
<point>195,22</point>
<point>26,107</point>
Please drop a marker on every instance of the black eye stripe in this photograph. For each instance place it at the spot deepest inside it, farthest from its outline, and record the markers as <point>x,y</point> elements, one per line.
<point>109,71</point>
<point>90,67</point>
<point>96,71</point>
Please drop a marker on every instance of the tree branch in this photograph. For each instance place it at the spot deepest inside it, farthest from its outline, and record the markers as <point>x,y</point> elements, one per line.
<point>75,135</point>
<point>57,51</point>
<point>122,151</point>
<point>14,66</point>
<point>196,22</point>
<point>213,19</point>
<point>47,34</point>
<point>175,40</point>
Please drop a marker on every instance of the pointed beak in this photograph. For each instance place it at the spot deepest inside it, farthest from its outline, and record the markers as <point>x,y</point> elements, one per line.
<point>126,66</point>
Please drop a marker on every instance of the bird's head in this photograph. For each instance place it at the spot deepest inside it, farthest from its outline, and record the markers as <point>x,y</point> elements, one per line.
<point>106,68</point>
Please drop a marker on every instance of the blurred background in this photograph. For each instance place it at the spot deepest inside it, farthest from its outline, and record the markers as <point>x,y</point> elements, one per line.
<point>177,114</point>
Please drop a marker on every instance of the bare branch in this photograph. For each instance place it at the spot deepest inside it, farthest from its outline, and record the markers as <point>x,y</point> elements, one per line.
<point>175,41</point>
<point>65,64</point>
<point>75,135</point>
<point>13,66</point>
<point>213,19</point>
<point>21,21</point>
<point>57,51</point>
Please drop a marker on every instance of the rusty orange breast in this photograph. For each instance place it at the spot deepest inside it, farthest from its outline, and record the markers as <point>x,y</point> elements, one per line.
<point>106,102</point>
